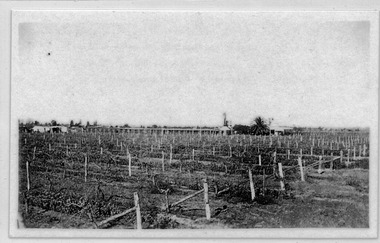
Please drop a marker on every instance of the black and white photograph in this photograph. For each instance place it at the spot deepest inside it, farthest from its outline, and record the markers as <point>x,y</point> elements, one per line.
<point>201,122</point>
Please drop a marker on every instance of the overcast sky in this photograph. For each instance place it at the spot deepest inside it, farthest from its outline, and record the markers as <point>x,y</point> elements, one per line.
<point>188,68</point>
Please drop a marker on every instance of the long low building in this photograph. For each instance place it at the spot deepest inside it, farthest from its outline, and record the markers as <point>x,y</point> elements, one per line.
<point>155,130</point>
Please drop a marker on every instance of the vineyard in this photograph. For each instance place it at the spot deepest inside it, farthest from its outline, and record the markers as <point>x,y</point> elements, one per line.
<point>150,181</point>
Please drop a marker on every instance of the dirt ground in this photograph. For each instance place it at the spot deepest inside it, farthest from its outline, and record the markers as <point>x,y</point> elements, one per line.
<point>337,198</point>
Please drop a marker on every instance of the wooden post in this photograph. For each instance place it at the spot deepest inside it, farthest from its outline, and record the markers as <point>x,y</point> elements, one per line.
<point>99,140</point>
<point>101,150</point>
<point>281,177</point>
<point>193,154</point>
<point>311,151</point>
<point>25,141</point>
<point>213,151</point>
<point>332,162</point>
<point>301,152</point>
<point>130,165</point>
<point>230,151</point>
<point>288,153</point>
<point>301,169</point>
<point>207,206</point>
<point>348,156</point>
<point>260,159</point>
<point>341,156</point>
<point>171,154</point>
<point>85,168</point>
<point>251,185</point>
<point>27,176</point>
<point>67,150</point>
<point>354,153</point>
<point>163,161</point>
<point>34,153</point>
<point>320,165</point>
<point>49,147</point>
<point>138,213</point>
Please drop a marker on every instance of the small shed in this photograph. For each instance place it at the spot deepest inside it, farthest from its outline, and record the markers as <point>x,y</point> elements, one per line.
<point>225,130</point>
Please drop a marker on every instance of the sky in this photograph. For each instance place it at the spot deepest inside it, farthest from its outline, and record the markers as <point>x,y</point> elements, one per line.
<point>188,68</point>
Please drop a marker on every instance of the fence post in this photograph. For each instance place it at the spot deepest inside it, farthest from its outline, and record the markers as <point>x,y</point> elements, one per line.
<point>213,151</point>
<point>332,162</point>
<point>27,176</point>
<point>85,168</point>
<point>171,154</point>
<point>288,153</point>
<point>101,150</point>
<point>138,213</point>
<point>341,156</point>
<point>260,159</point>
<point>207,206</point>
<point>301,169</point>
<point>251,185</point>
<point>130,164</point>
<point>320,165</point>
<point>311,151</point>
<point>163,161</point>
<point>281,176</point>
<point>49,147</point>
<point>193,154</point>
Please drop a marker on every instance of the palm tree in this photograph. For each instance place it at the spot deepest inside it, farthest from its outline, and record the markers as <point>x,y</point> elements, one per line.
<point>259,126</point>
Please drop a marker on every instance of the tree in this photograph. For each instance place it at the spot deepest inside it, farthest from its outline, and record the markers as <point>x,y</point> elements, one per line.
<point>36,123</point>
<point>95,123</point>
<point>259,126</point>
<point>88,124</point>
<point>154,126</point>
<point>241,129</point>
<point>53,123</point>
<point>71,123</point>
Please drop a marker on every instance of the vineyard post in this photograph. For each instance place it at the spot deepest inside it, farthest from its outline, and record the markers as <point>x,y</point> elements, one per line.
<point>320,165</point>
<point>163,158</point>
<point>27,176</point>
<point>85,168</point>
<point>67,150</point>
<point>230,151</point>
<point>301,169</point>
<point>101,150</point>
<point>360,151</point>
<point>193,154</point>
<point>207,206</point>
<point>138,213</point>
<point>49,147</point>
<point>301,152</point>
<point>260,159</point>
<point>348,156</point>
<point>288,153</point>
<point>311,150</point>
<point>281,174</point>
<point>341,156</point>
<point>171,154</point>
<point>251,185</point>
<point>129,165</point>
<point>213,150</point>
<point>34,153</point>
<point>25,141</point>
<point>354,153</point>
